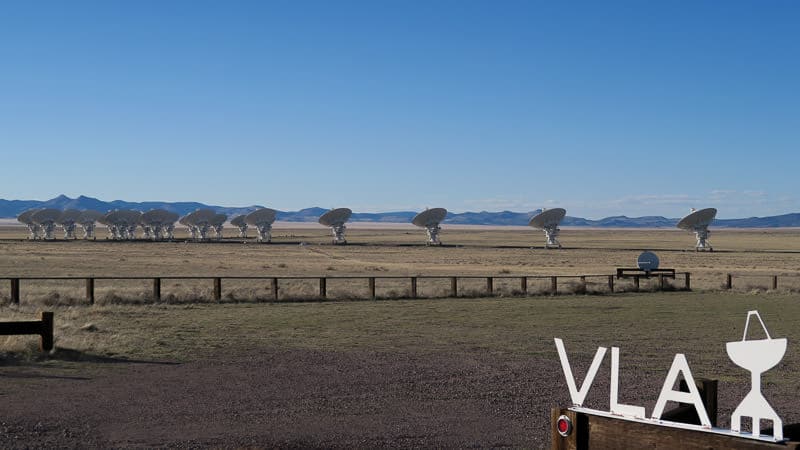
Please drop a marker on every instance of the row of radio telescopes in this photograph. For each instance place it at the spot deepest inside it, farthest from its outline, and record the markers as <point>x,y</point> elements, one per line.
<point>205,224</point>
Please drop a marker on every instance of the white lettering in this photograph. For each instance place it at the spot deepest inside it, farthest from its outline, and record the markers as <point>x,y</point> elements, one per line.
<point>679,365</point>
<point>579,396</point>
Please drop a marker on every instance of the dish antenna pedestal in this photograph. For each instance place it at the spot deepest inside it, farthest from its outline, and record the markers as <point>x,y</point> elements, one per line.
<point>87,220</point>
<point>336,219</point>
<point>698,222</point>
<point>33,228</point>
<point>548,221</point>
<point>46,219</point>
<point>430,220</point>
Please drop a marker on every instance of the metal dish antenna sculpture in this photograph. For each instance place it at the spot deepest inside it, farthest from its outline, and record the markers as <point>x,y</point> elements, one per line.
<point>262,219</point>
<point>336,218</point>
<point>240,223</point>
<point>46,220</point>
<point>430,220</point>
<point>217,223</point>
<point>199,223</point>
<point>87,220</point>
<point>33,228</point>
<point>698,222</point>
<point>548,221</point>
<point>158,224</point>
<point>68,220</point>
<point>122,224</point>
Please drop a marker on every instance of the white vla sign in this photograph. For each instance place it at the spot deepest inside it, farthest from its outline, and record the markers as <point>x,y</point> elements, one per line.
<point>756,356</point>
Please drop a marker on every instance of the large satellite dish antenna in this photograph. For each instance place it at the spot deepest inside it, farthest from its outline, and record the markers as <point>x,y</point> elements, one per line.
<point>68,220</point>
<point>46,219</point>
<point>122,223</point>
<point>430,220</point>
<point>262,219</point>
<point>199,223</point>
<point>698,222</point>
<point>87,220</point>
<point>158,224</point>
<point>240,223</point>
<point>217,223</point>
<point>548,221</point>
<point>336,218</point>
<point>33,228</point>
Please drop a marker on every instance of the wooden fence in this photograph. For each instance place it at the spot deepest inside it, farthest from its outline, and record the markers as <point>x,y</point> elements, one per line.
<point>217,283</point>
<point>772,284</point>
<point>43,327</point>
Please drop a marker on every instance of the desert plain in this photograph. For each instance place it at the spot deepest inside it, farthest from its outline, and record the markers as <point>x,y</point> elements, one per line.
<point>346,371</point>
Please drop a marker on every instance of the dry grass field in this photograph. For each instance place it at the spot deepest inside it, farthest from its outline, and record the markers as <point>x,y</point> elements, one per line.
<point>465,372</point>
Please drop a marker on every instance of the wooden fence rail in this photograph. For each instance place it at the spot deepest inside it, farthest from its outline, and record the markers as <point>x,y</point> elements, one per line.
<point>454,291</point>
<point>43,327</point>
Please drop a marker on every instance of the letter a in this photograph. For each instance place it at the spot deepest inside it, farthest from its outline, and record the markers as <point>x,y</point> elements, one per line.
<point>679,365</point>
<point>579,396</point>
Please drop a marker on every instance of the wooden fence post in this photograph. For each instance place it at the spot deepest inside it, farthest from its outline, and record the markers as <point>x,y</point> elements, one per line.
<point>636,283</point>
<point>661,283</point>
<point>489,285</point>
<point>157,289</point>
<point>372,288</point>
<point>90,290</point>
<point>523,285</point>
<point>583,282</point>
<point>729,281</point>
<point>774,282</point>
<point>46,341</point>
<point>15,290</point>
<point>217,289</point>
<point>454,286</point>
<point>611,283</point>
<point>275,289</point>
<point>323,287</point>
<point>554,285</point>
<point>413,287</point>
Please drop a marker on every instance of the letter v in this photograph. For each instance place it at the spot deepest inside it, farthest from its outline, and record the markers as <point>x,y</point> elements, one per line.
<point>579,396</point>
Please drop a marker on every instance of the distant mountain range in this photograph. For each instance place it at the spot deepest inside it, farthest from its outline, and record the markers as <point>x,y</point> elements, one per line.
<point>12,208</point>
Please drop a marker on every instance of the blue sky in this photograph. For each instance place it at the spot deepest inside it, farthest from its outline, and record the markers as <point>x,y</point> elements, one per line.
<point>604,108</point>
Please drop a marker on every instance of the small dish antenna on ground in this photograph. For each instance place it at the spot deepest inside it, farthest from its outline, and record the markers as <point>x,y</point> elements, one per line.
<point>647,261</point>
<point>87,220</point>
<point>67,220</point>
<point>548,221</point>
<point>430,220</point>
<point>33,228</point>
<point>46,219</point>
<point>698,222</point>
<point>262,219</point>
<point>336,218</point>
<point>217,223</point>
<point>240,223</point>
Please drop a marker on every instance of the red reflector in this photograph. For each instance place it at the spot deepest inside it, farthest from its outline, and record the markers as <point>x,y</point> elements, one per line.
<point>564,426</point>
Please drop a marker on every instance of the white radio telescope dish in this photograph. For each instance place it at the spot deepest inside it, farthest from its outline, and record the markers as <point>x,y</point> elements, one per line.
<point>548,221</point>
<point>68,220</point>
<point>698,222</point>
<point>33,228</point>
<point>46,220</point>
<point>240,223</point>
<point>87,220</point>
<point>217,223</point>
<point>122,223</point>
<point>430,220</point>
<point>158,224</point>
<point>199,222</point>
<point>262,219</point>
<point>336,218</point>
